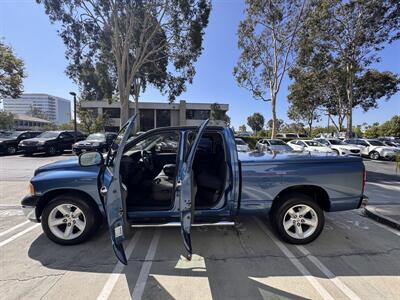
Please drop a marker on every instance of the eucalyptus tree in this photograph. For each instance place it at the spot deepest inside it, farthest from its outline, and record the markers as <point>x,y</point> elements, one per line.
<point>135,40</point>
<point>267,40</point>
<point>353,32</point>
<point>12,72</point>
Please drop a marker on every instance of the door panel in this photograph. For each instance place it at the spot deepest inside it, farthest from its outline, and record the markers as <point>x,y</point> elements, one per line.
<point>114,193</point>
<point>185,190</point>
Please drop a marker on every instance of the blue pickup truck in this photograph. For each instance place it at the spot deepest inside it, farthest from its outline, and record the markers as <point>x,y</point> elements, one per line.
<point>188,176</point>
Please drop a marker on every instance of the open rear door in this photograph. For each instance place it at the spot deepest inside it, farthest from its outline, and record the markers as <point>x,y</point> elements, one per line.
<point>185,190</point>
<point>114,192</point>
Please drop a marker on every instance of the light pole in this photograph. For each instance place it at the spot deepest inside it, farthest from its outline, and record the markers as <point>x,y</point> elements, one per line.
<point>74,94</point>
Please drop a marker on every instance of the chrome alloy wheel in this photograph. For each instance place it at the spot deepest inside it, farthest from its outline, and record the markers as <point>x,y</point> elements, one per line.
<point>66,221</point>
<point>300,221</point>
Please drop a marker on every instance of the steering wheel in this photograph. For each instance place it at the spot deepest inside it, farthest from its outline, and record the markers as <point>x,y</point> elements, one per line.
<point>147,160</point>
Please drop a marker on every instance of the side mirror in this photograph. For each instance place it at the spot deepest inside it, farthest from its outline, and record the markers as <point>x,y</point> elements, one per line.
<point>88,159</point>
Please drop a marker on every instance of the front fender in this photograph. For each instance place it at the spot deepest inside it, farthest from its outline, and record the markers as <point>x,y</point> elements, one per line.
<point>84,180</point>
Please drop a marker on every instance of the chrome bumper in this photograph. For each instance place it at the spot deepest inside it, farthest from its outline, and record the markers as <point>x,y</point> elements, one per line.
<point>30,213</point>
<point>364,201</point>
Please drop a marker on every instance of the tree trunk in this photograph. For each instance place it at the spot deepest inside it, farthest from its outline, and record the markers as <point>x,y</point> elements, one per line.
<point>124,100</point>
<point>349,110</point>
<point>274,120</point>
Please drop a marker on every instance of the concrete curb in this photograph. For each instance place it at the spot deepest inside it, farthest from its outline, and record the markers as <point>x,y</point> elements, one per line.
<point>372,213</point>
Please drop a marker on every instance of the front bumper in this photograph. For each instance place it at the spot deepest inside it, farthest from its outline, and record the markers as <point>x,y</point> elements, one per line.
<point>32,149</point>
<point>29,204</point>
<point>363,201</point>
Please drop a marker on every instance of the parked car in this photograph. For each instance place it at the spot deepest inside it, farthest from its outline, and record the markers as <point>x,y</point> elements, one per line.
<point>287,136</point>
<point>340,147</point>
<point>373,148</point>
<point>50,142</point>
<point>241,145</point>
<point>9,140</point>
<point>310,146</point>
<point>100,141</point>
<point>204,181</point>
<point>390,141</point>
<point>274,145</point>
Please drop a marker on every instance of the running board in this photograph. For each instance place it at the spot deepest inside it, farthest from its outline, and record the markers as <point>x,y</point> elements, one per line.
<point>178,224</point>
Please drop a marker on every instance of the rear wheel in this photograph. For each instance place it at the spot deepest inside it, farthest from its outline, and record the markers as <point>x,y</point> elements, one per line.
<point>69,220</point>
<point>298,219</point>
<point>374,155</point>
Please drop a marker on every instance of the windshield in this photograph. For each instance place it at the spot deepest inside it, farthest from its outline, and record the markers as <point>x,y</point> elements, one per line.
<point>49,134</point>
<point>313,144</point>
<point>376,143</point>
<point>96,137</point>
<point>337,142</point>
<point>277,143</point>
<point>240,142</point>
<point>117,141</point>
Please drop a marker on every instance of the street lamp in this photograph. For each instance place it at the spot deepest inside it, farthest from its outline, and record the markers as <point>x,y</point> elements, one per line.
<point>74,94</point>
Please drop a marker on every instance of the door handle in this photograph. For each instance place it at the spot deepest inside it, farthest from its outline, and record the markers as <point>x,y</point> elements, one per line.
<point>103,191</point>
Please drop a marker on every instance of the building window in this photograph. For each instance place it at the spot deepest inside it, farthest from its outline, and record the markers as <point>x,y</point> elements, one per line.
<point>112,112</point>
<point>163,118</point>
<point>197,114</point>
<point>146,119</point>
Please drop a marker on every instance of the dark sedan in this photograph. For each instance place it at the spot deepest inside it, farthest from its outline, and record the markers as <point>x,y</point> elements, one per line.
<point>50,142</point>
<point>100,142</point>
<point>9,140</point>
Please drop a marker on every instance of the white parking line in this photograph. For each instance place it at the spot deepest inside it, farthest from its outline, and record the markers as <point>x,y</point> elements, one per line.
<point>336,281</point>
<point>303,270</point>
<point>145,270</point>
<point>9,240</point>
<point>119,267</point>
<point>13,228</point>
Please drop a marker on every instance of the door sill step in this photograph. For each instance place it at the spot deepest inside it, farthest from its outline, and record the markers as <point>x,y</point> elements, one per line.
<point>178,224</point>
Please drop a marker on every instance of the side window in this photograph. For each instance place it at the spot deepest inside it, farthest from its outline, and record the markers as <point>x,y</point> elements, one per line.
<point>300,143</point>
<point>323,142</point>
<point>161,142</point>
<point>362,143</point>
<point>65,136</point>
<point>168,143</point>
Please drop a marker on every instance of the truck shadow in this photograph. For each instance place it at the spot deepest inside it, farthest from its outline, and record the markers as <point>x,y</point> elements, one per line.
<point>237,262</point>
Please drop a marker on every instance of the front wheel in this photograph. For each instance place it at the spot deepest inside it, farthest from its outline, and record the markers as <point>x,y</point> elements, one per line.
<point>11,150</point>
<point>52,150</point>
<point>69,220</point>
<point>374,155</point>
<point>298,219</point>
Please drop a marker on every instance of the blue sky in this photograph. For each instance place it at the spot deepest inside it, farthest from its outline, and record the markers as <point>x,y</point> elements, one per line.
<point>24,25</point>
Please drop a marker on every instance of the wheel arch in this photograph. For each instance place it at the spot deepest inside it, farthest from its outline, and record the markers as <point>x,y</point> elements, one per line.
<point>50,195</point>
<point>317,193</point>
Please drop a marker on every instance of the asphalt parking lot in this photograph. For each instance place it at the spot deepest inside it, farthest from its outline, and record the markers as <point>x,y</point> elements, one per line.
<point>354,258</point>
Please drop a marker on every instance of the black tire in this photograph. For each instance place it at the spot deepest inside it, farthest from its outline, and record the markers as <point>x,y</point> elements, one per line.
<point>292,200</point>
<point>11,150</point>
<point>51,150</point>
<point>90,213</point>
<point>374,155</point>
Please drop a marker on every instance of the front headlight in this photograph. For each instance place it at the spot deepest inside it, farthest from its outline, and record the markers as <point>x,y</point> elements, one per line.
<point>41,143</point>
<point>96,144</point>
<point>31,189</point>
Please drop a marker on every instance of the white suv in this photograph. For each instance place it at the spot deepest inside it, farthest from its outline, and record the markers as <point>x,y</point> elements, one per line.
<point>373,148</point>
<point>340,147</point>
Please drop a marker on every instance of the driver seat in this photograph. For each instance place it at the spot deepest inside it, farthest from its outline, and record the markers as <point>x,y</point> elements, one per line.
<point>163,183</point>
